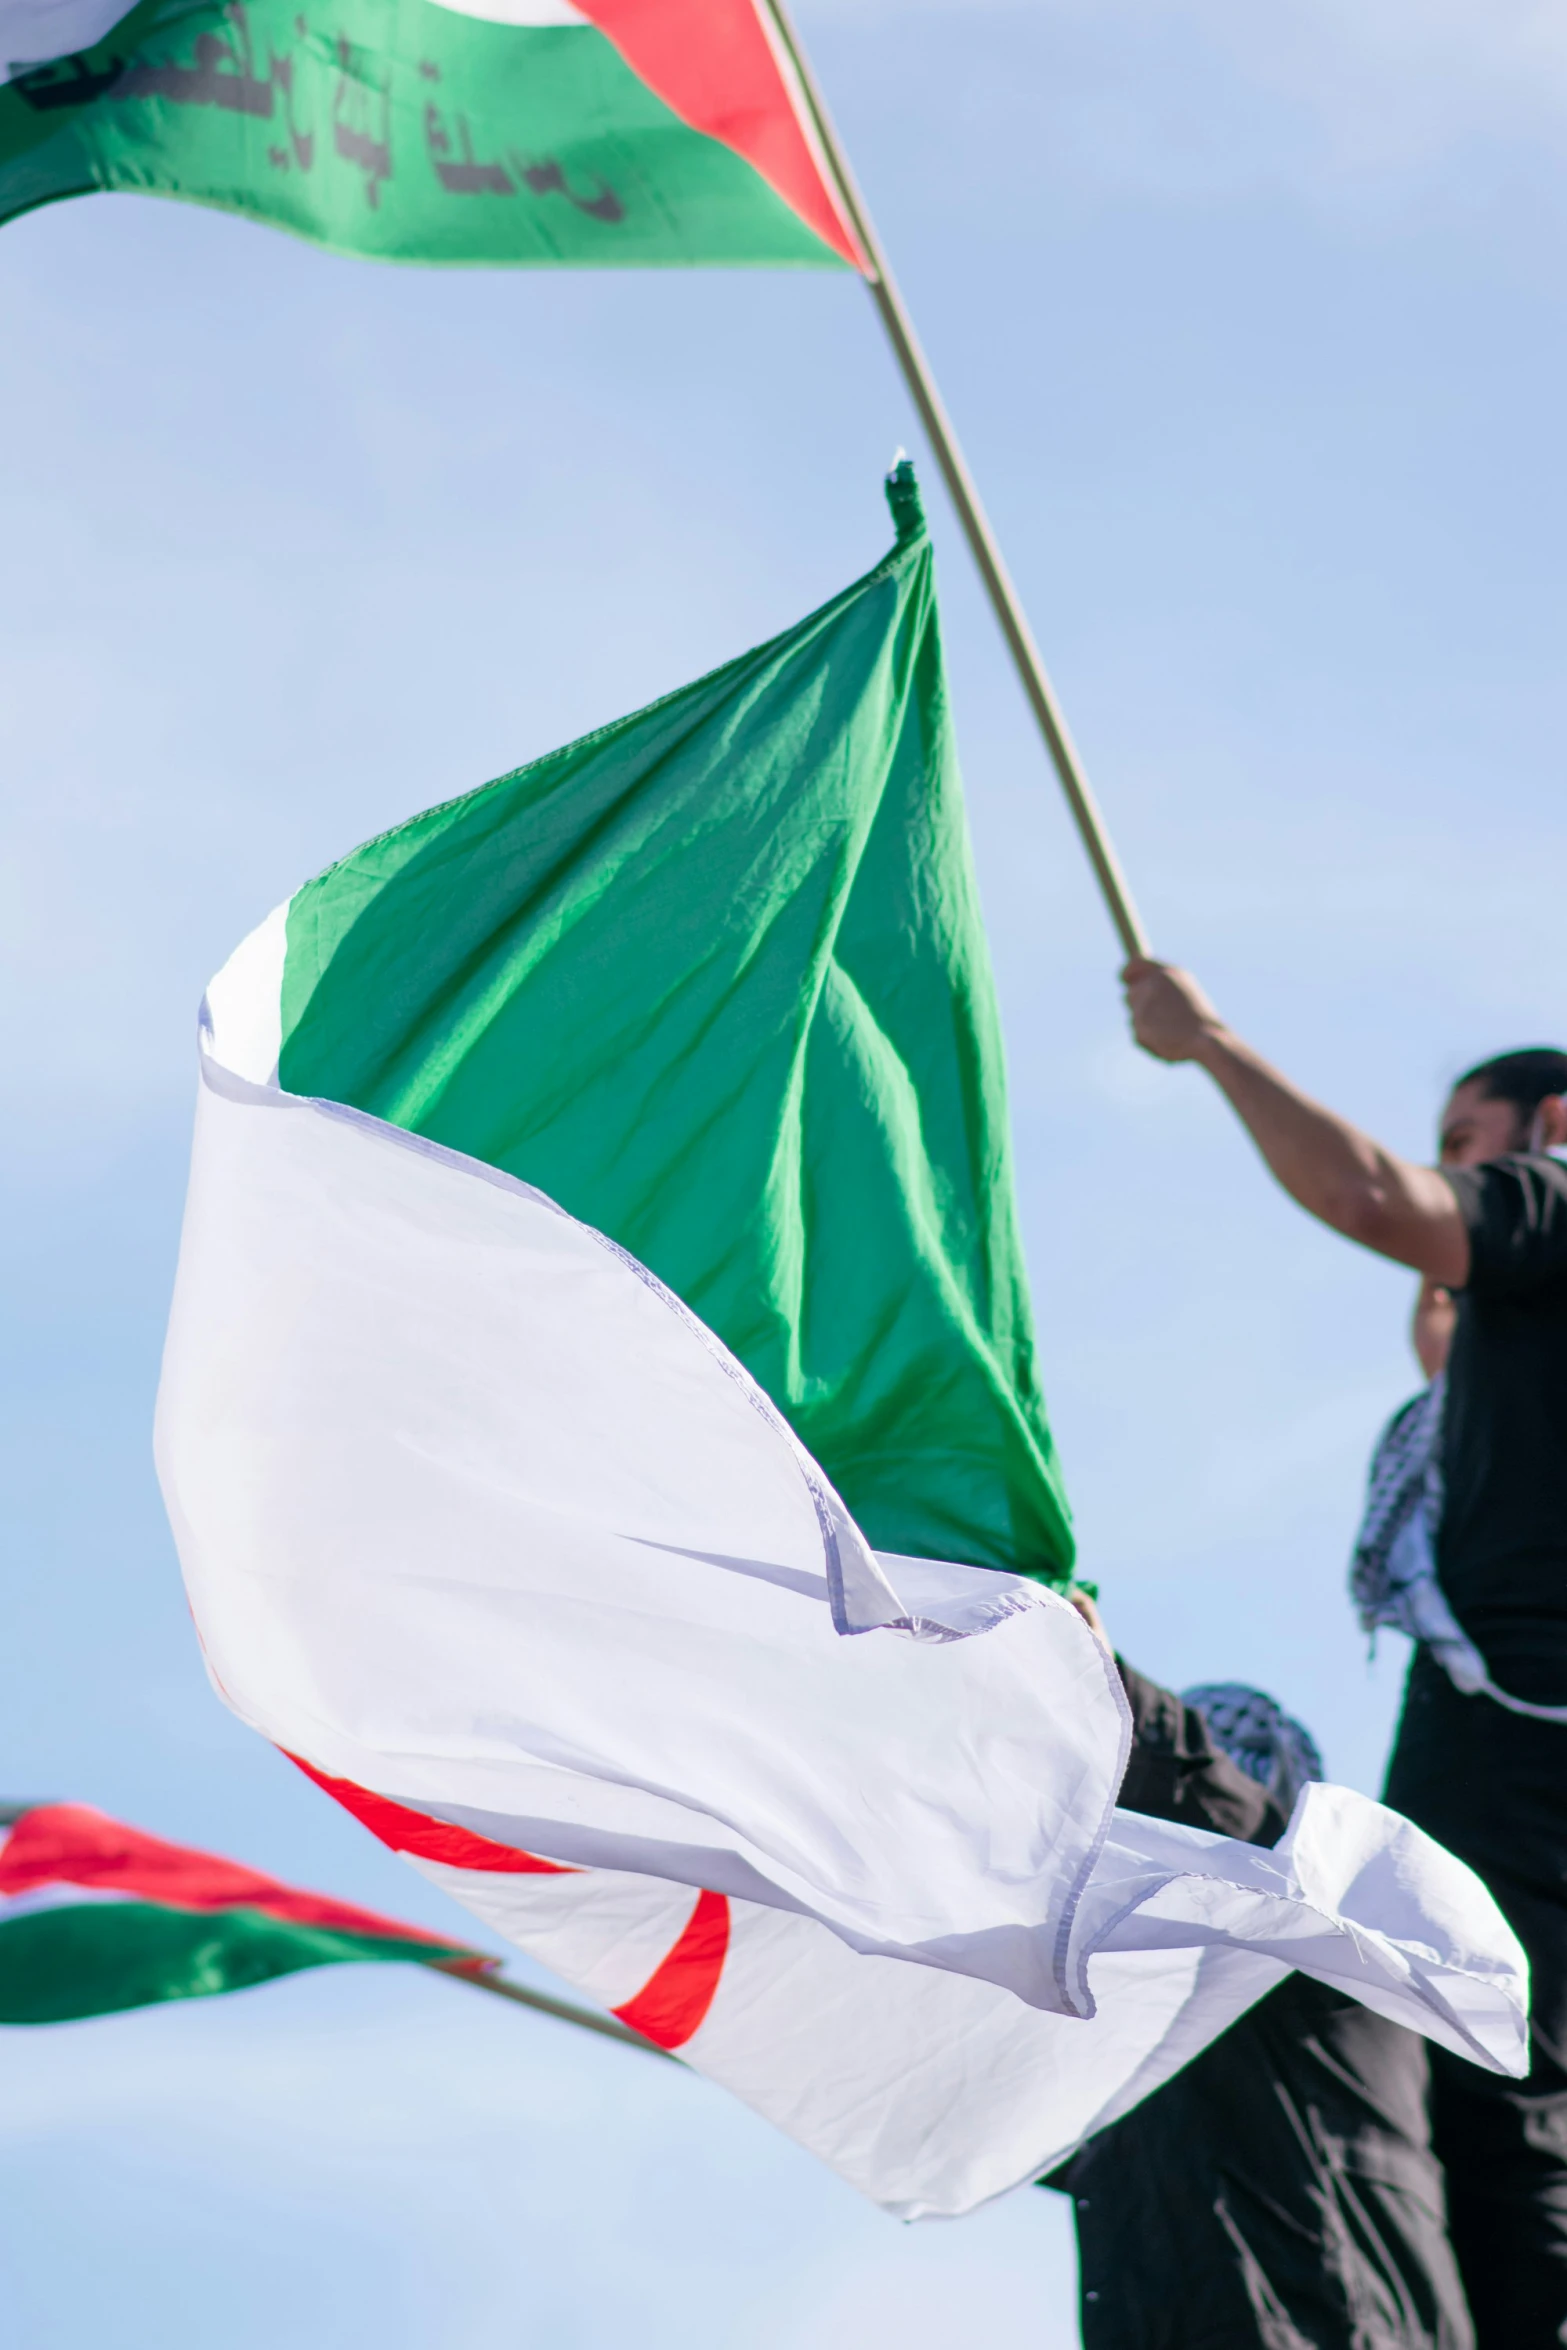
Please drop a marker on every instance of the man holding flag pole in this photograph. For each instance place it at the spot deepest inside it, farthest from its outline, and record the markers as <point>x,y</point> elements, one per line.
<point>1478,1574</point>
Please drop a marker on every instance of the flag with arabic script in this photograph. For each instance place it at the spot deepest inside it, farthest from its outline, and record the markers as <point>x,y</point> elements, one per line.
<point>586,133</point>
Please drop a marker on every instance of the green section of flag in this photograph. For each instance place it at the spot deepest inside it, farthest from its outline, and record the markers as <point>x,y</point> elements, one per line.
<point>97,1957</point>
<point>392,128</point>
<point>715,978</point>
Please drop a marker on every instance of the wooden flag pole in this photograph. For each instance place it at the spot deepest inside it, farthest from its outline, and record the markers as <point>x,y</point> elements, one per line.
<point>561,2009</point>
<point>1030,668</point>
<point>960,482</point>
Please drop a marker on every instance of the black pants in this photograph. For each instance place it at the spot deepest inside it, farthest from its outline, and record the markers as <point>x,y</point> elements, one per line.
<point>1279,2194</point>
<point>1493,1787</point>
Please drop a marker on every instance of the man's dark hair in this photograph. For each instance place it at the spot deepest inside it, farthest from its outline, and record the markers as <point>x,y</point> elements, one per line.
<point>1523,1078</point>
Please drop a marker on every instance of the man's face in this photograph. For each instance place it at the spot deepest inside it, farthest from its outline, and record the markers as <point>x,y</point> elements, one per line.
<point>1476,1128</point>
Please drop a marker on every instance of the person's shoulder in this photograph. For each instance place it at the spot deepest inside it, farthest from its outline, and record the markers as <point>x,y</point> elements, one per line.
<point>1515,1209</point>
<point>1523,1174</point>
<point>1514,1175</point>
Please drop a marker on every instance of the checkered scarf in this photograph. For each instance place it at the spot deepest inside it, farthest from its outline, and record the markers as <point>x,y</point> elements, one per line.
<point>1395,1550</point>
<point>1393,1577</point>
<point>1254,1731</point>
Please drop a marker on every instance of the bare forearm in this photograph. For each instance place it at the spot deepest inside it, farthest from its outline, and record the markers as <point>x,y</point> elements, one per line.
<point>1335,1172</point>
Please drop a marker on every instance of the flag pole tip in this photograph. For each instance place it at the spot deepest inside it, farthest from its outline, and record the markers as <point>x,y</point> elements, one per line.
<point>903,496</point>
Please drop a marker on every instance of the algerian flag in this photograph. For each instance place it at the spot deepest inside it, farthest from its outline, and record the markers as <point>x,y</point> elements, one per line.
<point>96,1917</point>
<point>603,134</point>
<point>599,1394</point>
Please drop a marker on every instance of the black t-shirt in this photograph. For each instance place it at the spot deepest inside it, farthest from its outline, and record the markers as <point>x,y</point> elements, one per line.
<point>1503,1546</point>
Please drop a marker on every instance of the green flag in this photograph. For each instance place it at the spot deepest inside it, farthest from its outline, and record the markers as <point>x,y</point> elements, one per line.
<point>715,979</point>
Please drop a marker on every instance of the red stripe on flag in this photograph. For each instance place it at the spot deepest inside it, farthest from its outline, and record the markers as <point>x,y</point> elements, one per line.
<point>71,1844</point>
<point>678,1993</point>
<point>713,63</point>
<point>416,1833</point>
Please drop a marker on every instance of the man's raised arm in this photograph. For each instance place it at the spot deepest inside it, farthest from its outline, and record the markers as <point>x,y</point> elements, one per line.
<point>1336,1173</point>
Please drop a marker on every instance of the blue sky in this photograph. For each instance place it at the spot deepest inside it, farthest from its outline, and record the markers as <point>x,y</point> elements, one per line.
<point>1253,324</point>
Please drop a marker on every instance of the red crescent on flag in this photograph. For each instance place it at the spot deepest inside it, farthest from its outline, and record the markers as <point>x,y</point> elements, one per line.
<point>678,1993</point>
<point>674,2000</point>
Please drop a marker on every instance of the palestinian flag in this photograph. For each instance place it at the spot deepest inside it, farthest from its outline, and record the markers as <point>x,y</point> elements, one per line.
<point>96,1917</point>
<point>607,134</point>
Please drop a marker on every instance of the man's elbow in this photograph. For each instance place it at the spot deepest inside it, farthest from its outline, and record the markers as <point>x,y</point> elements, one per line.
<point>1364,1212</point>
<point>1383,1220</point>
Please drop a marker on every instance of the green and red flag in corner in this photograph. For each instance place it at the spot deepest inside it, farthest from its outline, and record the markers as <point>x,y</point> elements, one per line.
<point>599,133</point>
<point>96,1917</point>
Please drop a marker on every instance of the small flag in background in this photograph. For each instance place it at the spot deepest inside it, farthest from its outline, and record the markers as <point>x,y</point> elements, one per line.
<point>605,134</point>
<point>96,1917</point>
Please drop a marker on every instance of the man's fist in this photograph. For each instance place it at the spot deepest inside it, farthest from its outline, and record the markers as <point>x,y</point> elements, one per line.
<point>1082,1603</point>
<point>1171,1017</point>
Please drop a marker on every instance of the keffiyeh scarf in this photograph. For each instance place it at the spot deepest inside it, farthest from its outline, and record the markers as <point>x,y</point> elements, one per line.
<point>1393,1577</point>
<point>1253,1729</point>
